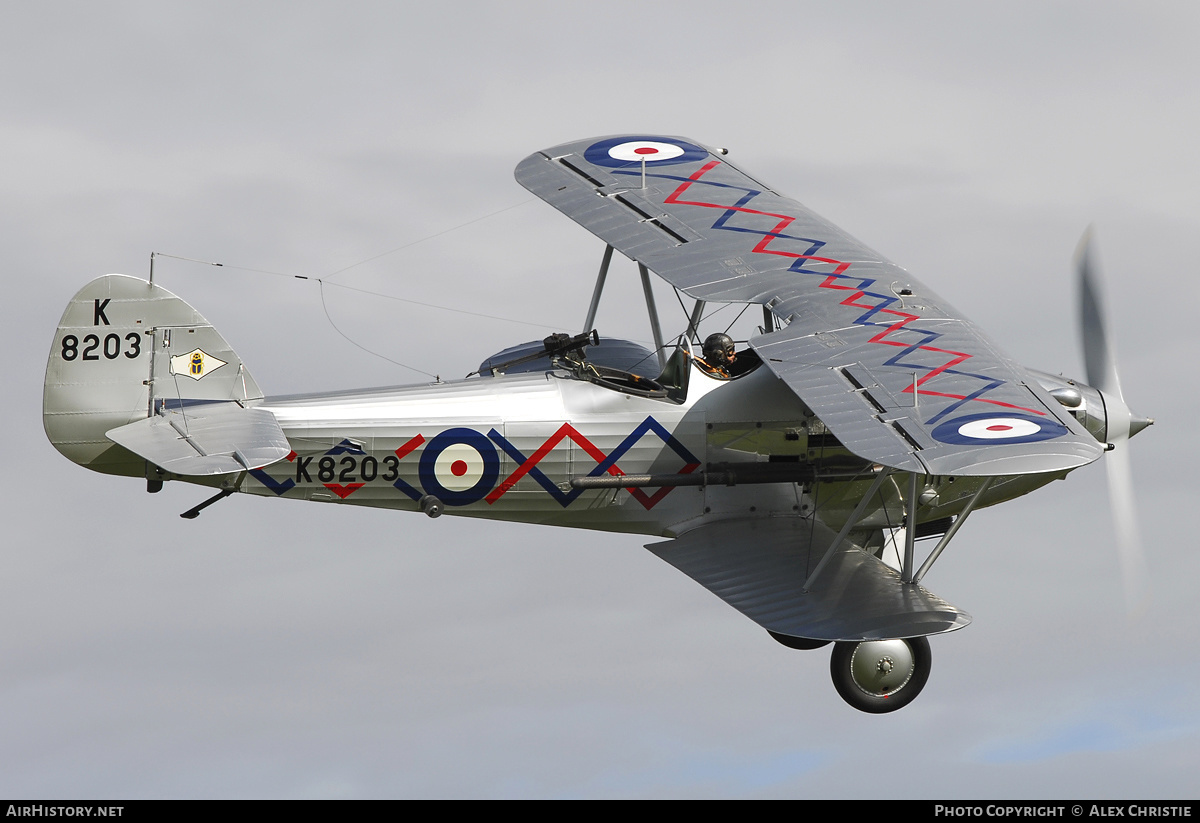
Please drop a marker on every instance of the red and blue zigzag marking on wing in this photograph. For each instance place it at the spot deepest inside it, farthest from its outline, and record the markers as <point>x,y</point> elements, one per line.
<point>834,276</point>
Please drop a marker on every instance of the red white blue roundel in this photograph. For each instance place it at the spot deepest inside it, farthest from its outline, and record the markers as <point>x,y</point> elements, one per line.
<point>459,466</point>
<point>625,152</point>
<point>997,428</point>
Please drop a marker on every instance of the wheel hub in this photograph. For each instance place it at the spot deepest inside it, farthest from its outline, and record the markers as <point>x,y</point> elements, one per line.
<point>882,667</point>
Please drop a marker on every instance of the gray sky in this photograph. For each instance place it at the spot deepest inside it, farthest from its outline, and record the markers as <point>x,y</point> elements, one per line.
<point>288,650</point>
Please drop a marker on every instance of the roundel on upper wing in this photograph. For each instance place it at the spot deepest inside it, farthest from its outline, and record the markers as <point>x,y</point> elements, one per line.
<point>622,152</point>
<point>459,466</point>
<point>991,429</point>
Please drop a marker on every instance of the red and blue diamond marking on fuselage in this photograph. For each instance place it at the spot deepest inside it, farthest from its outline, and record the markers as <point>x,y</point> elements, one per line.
<point>363,471</point>
<point>604,463</point>
<point>460,466</point>
<point>835,277</point>
<point>277,486</point>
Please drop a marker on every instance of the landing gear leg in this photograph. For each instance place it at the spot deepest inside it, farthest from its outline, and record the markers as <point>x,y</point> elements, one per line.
<point>880,676</point>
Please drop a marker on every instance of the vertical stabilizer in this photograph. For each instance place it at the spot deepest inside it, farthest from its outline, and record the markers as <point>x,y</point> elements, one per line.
<point>123,348</point>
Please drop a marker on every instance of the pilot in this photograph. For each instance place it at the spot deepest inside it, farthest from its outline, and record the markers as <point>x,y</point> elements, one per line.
<point>719,356</point>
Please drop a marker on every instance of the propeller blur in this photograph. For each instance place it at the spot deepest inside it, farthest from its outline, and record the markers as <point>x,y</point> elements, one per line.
<point>1100,365</point>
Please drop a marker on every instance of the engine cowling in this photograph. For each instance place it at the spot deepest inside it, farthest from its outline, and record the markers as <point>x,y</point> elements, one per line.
<point>1091,407</point>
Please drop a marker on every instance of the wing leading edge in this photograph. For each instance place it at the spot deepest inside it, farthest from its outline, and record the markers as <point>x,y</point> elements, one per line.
<point>896,373</point>
<point>759,567</point>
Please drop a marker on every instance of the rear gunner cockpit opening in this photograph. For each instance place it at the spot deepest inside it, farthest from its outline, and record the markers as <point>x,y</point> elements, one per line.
<point>620,365</point>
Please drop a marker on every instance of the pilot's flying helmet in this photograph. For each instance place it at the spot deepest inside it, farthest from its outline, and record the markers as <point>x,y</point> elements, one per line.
<point>718,350</point>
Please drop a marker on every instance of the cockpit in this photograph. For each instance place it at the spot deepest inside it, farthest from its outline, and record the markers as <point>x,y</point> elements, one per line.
<point>620,365</point>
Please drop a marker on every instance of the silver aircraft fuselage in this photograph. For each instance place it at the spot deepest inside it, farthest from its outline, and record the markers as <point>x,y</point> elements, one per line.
<point>508,447</point>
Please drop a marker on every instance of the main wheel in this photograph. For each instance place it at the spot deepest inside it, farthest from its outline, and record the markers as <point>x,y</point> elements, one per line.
<point>880,676</point>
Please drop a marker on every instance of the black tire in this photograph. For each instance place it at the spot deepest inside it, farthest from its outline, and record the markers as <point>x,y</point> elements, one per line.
<point>804,644</point>
<point>888,695</point>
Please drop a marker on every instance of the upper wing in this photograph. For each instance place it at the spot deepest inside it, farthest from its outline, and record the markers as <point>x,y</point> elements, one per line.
<point>760,567</point>
<point>897,375</point>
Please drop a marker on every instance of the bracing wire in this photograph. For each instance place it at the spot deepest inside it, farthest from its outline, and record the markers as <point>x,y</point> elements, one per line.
<point>322,282</point>
<point>325,281</point>
<point>739,317</point>
<point>325,308</point>
<point>435,306</point>
<point>431,236</point>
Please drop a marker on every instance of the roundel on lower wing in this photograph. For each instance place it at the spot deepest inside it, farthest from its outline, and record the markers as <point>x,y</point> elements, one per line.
<point>459,466</point>
<point>994,429</point>
<point>624,152</point>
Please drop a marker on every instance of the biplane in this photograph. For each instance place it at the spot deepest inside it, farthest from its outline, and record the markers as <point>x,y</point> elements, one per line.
<point>792,478</point>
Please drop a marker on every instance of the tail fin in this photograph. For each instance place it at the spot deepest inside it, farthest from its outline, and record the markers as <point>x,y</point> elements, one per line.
<point>124,349</point>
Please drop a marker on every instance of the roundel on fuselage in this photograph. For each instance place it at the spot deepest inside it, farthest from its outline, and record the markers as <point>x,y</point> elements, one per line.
<point>459,467</point>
